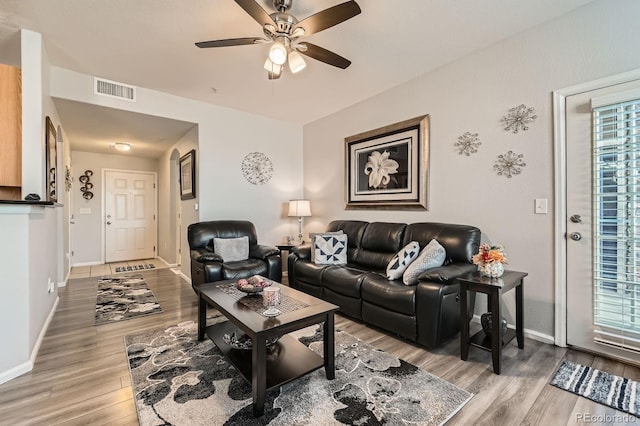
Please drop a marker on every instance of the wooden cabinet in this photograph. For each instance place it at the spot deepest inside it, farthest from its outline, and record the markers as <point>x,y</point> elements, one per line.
<point>10,132</point>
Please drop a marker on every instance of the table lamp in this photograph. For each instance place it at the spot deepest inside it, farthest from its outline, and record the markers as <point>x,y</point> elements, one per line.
<point>299,208</point>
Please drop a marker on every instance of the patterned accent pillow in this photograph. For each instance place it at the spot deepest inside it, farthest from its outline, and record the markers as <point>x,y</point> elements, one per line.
<point>431,256</point>
<point>312,235</point>
<point>401,261</point>
<point>330,249</point>
<point>232,249</point>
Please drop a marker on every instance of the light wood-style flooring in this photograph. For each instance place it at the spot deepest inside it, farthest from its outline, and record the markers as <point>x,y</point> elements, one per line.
<point>81,375</point>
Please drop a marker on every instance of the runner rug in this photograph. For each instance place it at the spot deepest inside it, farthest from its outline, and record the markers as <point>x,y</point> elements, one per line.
<point>179,381</point>
<point>139,267</point>
<point>599,386</point>
<point>124,297</point>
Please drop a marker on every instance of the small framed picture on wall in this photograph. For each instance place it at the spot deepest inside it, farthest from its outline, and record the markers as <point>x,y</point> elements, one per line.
<point>188,175</point>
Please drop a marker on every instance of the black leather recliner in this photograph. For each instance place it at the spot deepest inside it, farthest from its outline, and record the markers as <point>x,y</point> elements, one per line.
<point>207,266</point>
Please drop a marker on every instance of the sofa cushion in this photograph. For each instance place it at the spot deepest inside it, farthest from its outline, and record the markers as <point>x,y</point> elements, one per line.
<point>232,249</point>
<point>243,269</point>
<point>344,280</point>
<point>391,295</point>
<point>313,237</point>
<point>354,230</point>
<point>380,242</point>
<point>461,242</point>
<point>402,260</point>
<point>330,249</point>
<point>432,256</point>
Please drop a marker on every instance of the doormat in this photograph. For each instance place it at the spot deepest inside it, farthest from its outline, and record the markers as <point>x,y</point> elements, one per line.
<point>599,386</point>
<point>123,298</point>
<point>177,380</point>
<point>135,267</point>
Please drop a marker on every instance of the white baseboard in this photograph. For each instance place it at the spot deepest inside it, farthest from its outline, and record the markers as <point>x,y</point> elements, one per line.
<point>87,264</point>
<point>16,371</point>
<point>532,334</point>
<point>186,278</point>
<point>27,366</point>
<point>170,265</point>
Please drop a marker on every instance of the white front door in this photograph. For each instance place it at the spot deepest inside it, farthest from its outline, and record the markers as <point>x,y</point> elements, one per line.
<point>603,221</point>
<point>130,216</point>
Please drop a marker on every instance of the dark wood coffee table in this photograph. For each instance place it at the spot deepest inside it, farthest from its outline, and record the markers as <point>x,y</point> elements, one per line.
<point>288,359</point>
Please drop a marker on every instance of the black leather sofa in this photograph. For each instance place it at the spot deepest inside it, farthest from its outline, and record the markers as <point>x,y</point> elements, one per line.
<point>426,313</point>
<point>207,266</point>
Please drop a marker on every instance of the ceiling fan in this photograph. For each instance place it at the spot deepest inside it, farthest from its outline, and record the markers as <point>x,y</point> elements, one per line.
<point>285,31</point>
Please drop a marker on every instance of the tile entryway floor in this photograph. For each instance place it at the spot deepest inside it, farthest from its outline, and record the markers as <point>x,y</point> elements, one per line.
<point>110,268</point>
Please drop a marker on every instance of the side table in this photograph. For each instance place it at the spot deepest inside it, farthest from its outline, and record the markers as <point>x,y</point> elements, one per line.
<point>493,288</point>
<point>284,247</point>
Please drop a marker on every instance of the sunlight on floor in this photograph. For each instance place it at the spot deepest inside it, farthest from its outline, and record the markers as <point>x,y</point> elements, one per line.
<point>110,268</point>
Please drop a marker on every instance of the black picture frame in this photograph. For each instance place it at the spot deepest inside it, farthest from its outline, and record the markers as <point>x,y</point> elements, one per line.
<point>51,161</point>
<point>388,168</point>
<point>188,175</point>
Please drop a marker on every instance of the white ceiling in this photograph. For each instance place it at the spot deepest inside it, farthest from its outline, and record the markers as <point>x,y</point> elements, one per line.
<point>150,43</point>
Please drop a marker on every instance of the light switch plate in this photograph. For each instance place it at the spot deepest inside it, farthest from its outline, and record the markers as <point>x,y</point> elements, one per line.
<point>541,206</point>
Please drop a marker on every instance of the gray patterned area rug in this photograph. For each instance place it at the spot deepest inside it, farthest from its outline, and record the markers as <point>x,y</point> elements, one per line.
<point>180,381</point>
<point>124,297</point>
<point>599,386</point>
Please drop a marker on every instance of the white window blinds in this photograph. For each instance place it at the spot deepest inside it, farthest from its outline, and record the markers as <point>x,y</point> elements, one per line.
<point>616,245</point>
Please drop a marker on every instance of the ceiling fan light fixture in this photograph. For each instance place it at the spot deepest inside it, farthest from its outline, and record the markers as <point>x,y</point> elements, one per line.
<point>296,62</point>
<point>278,52</point>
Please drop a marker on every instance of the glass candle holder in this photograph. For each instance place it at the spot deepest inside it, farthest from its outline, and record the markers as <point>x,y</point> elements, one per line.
<point>270,299</point>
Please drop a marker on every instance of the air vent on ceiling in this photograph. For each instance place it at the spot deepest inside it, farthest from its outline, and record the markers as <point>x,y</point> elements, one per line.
<point>114,89</point>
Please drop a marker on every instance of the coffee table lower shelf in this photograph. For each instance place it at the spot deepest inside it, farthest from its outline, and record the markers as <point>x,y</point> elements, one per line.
<point>287,360</point>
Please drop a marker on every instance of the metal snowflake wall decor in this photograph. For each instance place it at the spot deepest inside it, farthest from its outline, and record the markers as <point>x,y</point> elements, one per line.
<point>509,164</point>
<point>468,143</point>
<point>518,118</point>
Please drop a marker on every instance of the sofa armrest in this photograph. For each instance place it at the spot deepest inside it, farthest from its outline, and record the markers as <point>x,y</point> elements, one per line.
<point>302,252</point>
<point>203,255</point>
<point>446,274</point>
<point>262,252</point>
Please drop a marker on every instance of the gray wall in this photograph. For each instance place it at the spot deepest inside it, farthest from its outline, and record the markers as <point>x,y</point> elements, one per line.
<point>472,95</point>
<point>86,233</point>
<point>169,198</point>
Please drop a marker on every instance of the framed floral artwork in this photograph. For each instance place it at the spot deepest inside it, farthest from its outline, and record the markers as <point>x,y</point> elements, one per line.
<point>188,175</point>
<point>388,168</point>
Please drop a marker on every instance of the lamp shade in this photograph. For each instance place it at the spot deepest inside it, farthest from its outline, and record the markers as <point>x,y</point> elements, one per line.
<point>299,208</point>
<point>296,63</point>
<point>278,53</point>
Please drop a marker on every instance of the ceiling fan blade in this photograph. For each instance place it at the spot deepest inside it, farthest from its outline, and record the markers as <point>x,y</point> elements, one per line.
<point>256,12</point>
<point>323,55</point>
<point>328,17</point>
<point>230,42</point>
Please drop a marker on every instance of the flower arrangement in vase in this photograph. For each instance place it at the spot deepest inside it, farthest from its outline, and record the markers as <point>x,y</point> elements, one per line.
<point>490,260</point>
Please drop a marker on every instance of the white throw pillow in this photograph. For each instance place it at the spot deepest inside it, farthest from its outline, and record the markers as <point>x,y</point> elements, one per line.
<point>431,256</point>
<point>232,249</point>
<point>330,249</point>
<point>313,237</point>
<point>402,260</point>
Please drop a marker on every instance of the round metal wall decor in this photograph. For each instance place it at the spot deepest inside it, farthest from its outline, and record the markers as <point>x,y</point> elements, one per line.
<point>257,168</point>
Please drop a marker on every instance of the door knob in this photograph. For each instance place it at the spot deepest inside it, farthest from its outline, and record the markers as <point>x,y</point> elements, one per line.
<point>576,218</point>
<point>108,223</point>
<point>576,236</point>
